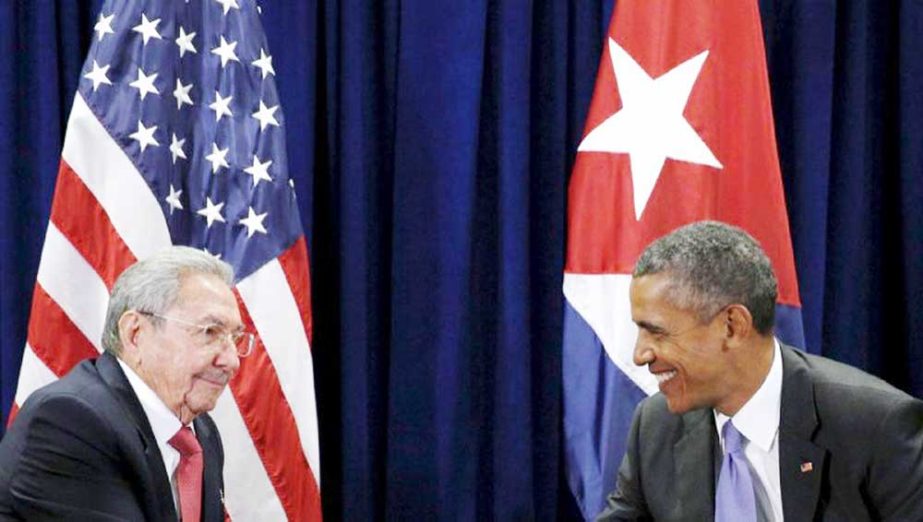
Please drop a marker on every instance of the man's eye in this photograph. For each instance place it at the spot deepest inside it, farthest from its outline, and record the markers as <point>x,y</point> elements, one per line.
<point>659,335</point>
<point>212,331</point>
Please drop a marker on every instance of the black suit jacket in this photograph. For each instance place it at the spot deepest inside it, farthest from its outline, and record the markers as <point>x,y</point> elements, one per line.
<point>81,448</point>
<point>850,448</point>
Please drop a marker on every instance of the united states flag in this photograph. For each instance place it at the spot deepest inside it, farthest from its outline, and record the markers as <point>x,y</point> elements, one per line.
<point>176,136</point>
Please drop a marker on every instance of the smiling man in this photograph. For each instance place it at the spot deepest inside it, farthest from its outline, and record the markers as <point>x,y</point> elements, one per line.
<point>126,436</point>
<point>745,428</point>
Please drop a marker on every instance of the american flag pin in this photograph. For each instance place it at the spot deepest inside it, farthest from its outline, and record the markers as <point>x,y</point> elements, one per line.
<point>807,467</point>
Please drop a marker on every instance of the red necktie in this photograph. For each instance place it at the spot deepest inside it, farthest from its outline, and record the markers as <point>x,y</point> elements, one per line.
<point>189,474</point>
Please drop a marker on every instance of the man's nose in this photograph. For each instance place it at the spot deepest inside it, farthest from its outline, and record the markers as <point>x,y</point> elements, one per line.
<point>227,357</point>
<point>643,353</point>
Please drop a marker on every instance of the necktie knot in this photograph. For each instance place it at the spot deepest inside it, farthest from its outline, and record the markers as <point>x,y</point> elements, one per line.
<point>733,440</point>
<point>185,442</point>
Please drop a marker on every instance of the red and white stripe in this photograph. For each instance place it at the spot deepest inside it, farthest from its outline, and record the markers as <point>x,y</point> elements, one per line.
<point>103,218</point>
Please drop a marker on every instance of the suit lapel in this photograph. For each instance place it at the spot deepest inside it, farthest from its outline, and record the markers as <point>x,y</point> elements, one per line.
<point>801,462</point>
<point>159,496</point>
<point>212,494</point>
<point>693,461</point>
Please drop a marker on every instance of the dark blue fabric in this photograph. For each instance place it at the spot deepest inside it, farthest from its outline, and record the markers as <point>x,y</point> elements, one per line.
<point>790,327</point>
<point>430,143</point>
<point>42,48</point>
<point>847,90</point>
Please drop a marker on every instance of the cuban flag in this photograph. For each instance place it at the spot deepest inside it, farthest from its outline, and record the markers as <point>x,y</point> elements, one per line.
<point>679,130</point>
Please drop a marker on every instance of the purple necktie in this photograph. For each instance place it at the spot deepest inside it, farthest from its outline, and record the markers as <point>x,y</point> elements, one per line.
<point>734,500</point>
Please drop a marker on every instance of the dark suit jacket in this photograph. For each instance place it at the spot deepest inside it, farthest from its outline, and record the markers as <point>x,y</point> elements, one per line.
<point>862,438</point>
<point>82,449</point>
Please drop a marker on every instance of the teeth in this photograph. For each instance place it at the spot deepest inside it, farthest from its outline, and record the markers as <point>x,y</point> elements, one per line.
<point>665,376</point>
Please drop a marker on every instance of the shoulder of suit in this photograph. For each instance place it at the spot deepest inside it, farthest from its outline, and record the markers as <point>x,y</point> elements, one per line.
<point>654,416</point>
<point>839,381</point>
<point>79,406</point>
<point>81,382</point>
<point>85,388</point>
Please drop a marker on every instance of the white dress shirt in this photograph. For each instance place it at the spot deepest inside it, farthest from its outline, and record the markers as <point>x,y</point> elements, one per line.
<point>758,422</point>
<point>164,424</point>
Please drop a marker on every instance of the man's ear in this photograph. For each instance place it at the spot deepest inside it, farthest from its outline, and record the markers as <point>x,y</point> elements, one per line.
<point>738,323</point>
<point>130,331</point>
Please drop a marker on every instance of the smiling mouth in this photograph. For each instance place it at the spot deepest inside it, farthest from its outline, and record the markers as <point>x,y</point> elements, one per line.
<point>663,377</point>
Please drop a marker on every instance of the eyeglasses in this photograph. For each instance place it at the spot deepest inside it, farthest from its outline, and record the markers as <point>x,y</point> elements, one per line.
<point>214,335</point>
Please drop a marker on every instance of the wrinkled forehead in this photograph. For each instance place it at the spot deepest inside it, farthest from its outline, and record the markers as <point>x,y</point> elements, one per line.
<point>654,285</point>
<point>656,294</point>
<point>207,297</point>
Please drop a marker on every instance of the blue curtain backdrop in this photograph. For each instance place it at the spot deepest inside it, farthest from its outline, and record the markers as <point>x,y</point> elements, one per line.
<point>431,142</point>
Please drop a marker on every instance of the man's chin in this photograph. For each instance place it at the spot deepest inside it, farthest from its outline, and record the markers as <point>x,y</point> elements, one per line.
<point>202,401</point>
<point>677,406</point>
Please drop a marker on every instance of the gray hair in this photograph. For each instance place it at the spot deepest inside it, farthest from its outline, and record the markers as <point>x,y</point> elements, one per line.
<point>153,284</point>
<point>712,265</point>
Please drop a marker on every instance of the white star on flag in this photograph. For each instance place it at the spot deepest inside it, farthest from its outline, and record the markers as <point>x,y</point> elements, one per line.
<point>184,42</point>
<point>144,136</point>
<point>259,171</point>
<point>226,51</point>
<point>650,126</point>
<point>221,106</point>
<point>254,222</point>
<point>217,158</point>
<point>211,212</point>
<point>172,198</point>
<point>147,28</point>
<point>228,4</point>
<point>103,26</point>
<point>181,93</point>
<point>265,115</point>
<point>145,84</point>
<point>265,64</point>
<point>176,148</point>
<point>98,75</point>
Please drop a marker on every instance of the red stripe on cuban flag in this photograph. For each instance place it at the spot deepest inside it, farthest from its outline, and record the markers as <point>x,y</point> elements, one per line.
<point>679,130</point>
<point>103,217</point>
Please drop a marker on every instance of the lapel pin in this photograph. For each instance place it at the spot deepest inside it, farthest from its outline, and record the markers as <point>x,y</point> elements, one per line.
<point>807,467</point>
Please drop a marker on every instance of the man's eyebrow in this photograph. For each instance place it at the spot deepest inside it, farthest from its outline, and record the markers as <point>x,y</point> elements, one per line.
<point>214,319</point>
<point>652,328</point>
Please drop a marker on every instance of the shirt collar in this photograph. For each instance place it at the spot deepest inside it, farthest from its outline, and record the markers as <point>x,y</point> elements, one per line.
<point>758,418</point>
<point>164,422</point>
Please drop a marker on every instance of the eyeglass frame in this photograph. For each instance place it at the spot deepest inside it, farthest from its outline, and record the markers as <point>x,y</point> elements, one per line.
<point>228,336</point>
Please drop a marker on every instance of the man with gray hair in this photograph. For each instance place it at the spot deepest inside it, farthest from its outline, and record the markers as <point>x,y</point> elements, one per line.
<point>745,428</point>
<point>126,436</point>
